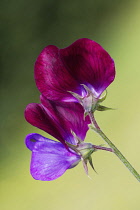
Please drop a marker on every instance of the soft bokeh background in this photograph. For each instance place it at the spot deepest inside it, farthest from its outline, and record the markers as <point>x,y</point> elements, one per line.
<point>26,28</point>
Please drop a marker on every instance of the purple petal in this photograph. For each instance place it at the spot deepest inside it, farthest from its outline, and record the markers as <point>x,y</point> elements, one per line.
<point>50,159</point>
<point>89,64</point>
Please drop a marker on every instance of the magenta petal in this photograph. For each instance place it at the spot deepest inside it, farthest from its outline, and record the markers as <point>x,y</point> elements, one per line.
<point>50,159</point>
<point>51,76</point>
<point>70,116</point>
<point>58,119</point>
<point>36,115</point>
<point>89,64</point>
<point>58,71</point>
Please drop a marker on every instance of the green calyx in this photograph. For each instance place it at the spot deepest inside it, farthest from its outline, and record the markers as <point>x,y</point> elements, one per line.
<point>99,107</point>
<point>89,102</point>
<point>103,108</point>
<point>84,150</point>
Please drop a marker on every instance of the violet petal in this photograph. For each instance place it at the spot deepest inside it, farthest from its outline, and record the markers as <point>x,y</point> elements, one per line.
<point>50,159</point>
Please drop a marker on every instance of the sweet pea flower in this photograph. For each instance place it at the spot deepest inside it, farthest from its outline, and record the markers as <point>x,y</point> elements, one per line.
<point>79,72</point>
<point>50,158</point>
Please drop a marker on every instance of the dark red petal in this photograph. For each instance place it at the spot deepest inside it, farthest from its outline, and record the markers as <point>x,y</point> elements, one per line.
<point>89,64</point>
<point>69,115</point>
<point>37,116</point>
<point>52,79</point>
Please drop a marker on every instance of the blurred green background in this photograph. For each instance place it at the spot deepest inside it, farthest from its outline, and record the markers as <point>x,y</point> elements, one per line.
<point>26,28</point>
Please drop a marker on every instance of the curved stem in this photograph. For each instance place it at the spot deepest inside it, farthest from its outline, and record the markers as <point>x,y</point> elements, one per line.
<point>116,151</point>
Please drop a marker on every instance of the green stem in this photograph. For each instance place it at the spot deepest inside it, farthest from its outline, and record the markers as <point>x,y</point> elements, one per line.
<point>116,151</point>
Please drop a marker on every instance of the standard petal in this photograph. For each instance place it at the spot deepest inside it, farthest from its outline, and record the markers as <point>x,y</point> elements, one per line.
<point>50,159</point>
<point>51,76</point>
<point>89,64</point>
<point>58,71</point>
<point>70,116</point>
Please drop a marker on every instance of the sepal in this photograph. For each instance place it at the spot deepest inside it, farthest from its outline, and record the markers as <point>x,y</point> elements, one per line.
<point>101,99</point>
<point>103,108</point>
<point>91,163</point>
<point>88,100</point>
